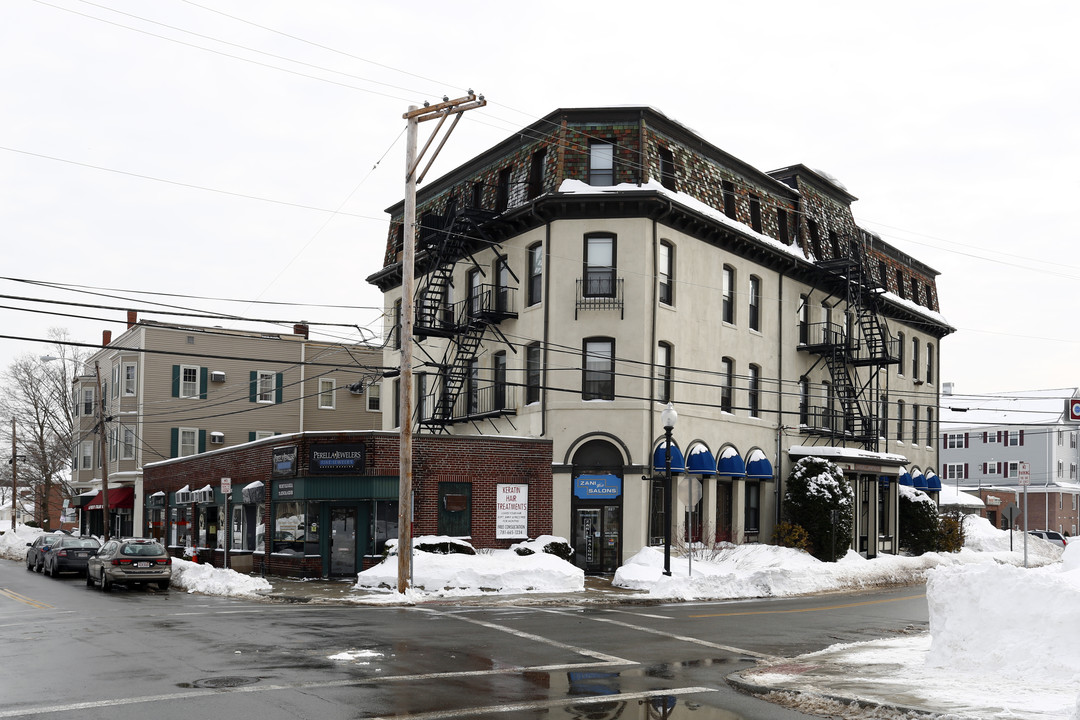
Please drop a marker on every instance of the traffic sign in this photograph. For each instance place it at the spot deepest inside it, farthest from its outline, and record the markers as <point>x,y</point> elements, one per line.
<point>226,485</point>
<point>1025,474</point>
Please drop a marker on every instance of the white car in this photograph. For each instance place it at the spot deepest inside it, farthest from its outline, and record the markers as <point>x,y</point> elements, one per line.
<point>1050,535</point>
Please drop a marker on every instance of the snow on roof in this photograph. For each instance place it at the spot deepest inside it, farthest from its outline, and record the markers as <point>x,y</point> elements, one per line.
<point>729,451</point>
<point>844,452</point>
<point>950,496</point>
<point>1021,407</point>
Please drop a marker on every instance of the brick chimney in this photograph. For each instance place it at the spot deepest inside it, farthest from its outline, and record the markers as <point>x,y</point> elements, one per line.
<point>133,317</point>
<point>300,329</point>
<point>106,338</point>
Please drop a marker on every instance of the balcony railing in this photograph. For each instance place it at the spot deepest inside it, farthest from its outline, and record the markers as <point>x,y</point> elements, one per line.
<point>474,403</point>
<point>599,291</point>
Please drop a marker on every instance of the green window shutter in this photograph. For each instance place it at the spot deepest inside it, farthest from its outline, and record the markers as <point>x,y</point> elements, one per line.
<point>202,441</point>
<point>254,386</point>
<point>175,382</point>
<point>251,436</point>
<point>174,442</point>
<point>204,376</point>
<point>280,386</point>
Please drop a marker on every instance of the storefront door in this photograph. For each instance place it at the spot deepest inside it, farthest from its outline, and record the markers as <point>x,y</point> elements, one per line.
<point>596,538</point>
<point>343,553</point>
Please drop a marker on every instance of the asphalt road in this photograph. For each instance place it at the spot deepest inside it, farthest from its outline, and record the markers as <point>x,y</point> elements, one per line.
<point>70,651</point>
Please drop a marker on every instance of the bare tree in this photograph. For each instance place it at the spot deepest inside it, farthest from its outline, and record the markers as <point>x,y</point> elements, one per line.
<point>37,393</point>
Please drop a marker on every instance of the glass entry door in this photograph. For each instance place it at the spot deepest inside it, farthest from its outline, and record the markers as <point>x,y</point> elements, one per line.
<point>343,540</point>
<point>596,538</point>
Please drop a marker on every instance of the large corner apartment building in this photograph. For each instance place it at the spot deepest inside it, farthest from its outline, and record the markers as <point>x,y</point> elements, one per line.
<point>603,262</point>
<point>176,390</point>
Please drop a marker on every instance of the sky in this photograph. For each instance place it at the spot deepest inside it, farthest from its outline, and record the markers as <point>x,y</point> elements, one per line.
<point>1028,667</point>
<point>228,150</point>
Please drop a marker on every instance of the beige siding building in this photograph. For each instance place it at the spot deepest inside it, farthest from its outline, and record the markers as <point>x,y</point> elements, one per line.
<point>173,390</point>
<point>601,263</point>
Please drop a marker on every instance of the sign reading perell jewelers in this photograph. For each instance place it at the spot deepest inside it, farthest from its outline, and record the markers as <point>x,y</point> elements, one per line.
<point>336,458</point>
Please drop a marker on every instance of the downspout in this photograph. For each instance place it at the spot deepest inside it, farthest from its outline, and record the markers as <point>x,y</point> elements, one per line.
<point>547,314</point>
<point>780,392</point>
<point>303,367</point>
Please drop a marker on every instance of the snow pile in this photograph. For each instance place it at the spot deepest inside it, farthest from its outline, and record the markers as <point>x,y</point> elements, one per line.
<point>13,543</point>
<point>489,571</point>
<point>746,571</point>
<point>1034,616</point>
<point>209,580</point>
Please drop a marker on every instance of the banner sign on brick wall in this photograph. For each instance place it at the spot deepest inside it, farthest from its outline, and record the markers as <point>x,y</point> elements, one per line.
<point>284,461</point>
<point>336,458</point>
<point>512,510</point>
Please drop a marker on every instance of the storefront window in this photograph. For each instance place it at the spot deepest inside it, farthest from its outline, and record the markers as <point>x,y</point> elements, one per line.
<point>385,518</point>
<point>289,527</point>
<point>180,524</point>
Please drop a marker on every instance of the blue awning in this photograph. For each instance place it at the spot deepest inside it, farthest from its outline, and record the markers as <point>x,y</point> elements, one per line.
<point>700,461</point>
<point>759,466</point>
<point>919,481</point>
<point>905,479</point>
<point>677,462</point>
<point>933,482</point>
<point>731,465</point>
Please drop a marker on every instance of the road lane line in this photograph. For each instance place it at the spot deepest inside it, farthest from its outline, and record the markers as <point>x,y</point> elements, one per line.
<point>541,639</point>
<point>673,636</point>
<point>813,609</point>
<point>313,685</point>
<point>23,599</point>
<point>545,704</point>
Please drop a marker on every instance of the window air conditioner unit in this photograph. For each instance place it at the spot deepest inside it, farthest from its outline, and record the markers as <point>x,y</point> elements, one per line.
<point>217,438</point>
<point>203,496</point>
<point>183,497</point>
<point>217,376</point>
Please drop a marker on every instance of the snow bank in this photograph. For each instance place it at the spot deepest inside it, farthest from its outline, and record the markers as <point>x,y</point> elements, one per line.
<point>13,543</point>
<point>1033,616</point>
<point>488,571</point>
<point>216,581</point>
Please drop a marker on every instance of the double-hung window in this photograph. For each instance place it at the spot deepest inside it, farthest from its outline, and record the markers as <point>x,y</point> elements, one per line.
<point>373,404</point>
<point>600,266</point>
<point>727,308</point>
<point>127,446</point>
<point>727,381</point>
<point>599,369</point>
<point>601,163</point>
<point>663,372</point>
<point>753,395</point>
<point>86,455</point>
<point>666,271</point>
<point>188,442</point>
<point>536,273</point>
<point>189,381</point>
<point>498,367</point>
<point>130,376</point>
<point>265,387</point>
<point>804,319</point>
<point>326,394</point>
<point>88,402</point>
<point>532,373</point>
<point>754,318</point>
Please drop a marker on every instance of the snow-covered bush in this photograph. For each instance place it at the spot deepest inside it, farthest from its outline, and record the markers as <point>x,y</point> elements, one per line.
<point>816,489</point>
<point>920,526</point>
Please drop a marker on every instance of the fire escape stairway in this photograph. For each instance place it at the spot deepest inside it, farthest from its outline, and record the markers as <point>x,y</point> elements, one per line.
<point>443,241</point>
<point>857,424</point>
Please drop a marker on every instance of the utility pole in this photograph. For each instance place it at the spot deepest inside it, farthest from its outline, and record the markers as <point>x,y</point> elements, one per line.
<point>14,474</point>
<point>104,456</point>
<point>414,117</point>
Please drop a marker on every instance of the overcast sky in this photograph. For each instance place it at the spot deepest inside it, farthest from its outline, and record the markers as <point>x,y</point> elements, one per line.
<point>247,150</point>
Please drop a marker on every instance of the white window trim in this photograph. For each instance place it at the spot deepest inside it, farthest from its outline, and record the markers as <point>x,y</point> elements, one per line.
<point>327,393</point>
<point>374,392</point>
<point>127,449</point>
<point>86,459</point>
<point>133,381</point>
<point>263,434</point>
<point>183,369</point>
<point>260,389</point>
<point>180,441</point>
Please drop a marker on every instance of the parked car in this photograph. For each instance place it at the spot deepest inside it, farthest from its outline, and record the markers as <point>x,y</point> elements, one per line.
<point>35,556</point>
<point>69,555</point>
<point>133,561</point>
<point>1052,535</point>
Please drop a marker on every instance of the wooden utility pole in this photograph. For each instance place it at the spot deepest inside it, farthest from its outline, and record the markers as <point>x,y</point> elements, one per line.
<point>104,456</point>
<point>414,117</point>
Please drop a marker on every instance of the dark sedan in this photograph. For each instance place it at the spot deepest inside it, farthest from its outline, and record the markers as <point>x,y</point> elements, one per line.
<point>35,556</point>
<point>70,555</point>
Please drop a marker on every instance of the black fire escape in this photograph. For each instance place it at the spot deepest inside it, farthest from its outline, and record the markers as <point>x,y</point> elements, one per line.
<point>443,241</point>
<point>856,353</point>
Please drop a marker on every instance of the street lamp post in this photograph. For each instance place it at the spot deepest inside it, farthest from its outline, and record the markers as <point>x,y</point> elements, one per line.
<point>668,418</point>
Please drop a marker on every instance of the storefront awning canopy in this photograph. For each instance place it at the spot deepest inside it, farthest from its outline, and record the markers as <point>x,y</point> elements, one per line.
<point>905,479</point>
<point>731,465</point>
<point>919,480</point>
<point>119,497</point>
<point>701,461</point>
<point>933,482</point>
<point>677,462</point>
<point>759,466</point>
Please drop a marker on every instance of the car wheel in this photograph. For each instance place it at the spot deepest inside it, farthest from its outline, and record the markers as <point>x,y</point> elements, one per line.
<point>89,579</point>
<point>106,586</point>
<point>40,566</point>
<point>29,565</point>
<point>48,571</point>
<point>163,585</point>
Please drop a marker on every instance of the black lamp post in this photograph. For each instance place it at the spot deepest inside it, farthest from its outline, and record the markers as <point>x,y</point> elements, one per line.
<point>668,418</point>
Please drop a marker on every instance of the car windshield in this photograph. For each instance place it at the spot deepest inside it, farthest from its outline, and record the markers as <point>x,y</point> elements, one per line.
<point>142,549</point>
